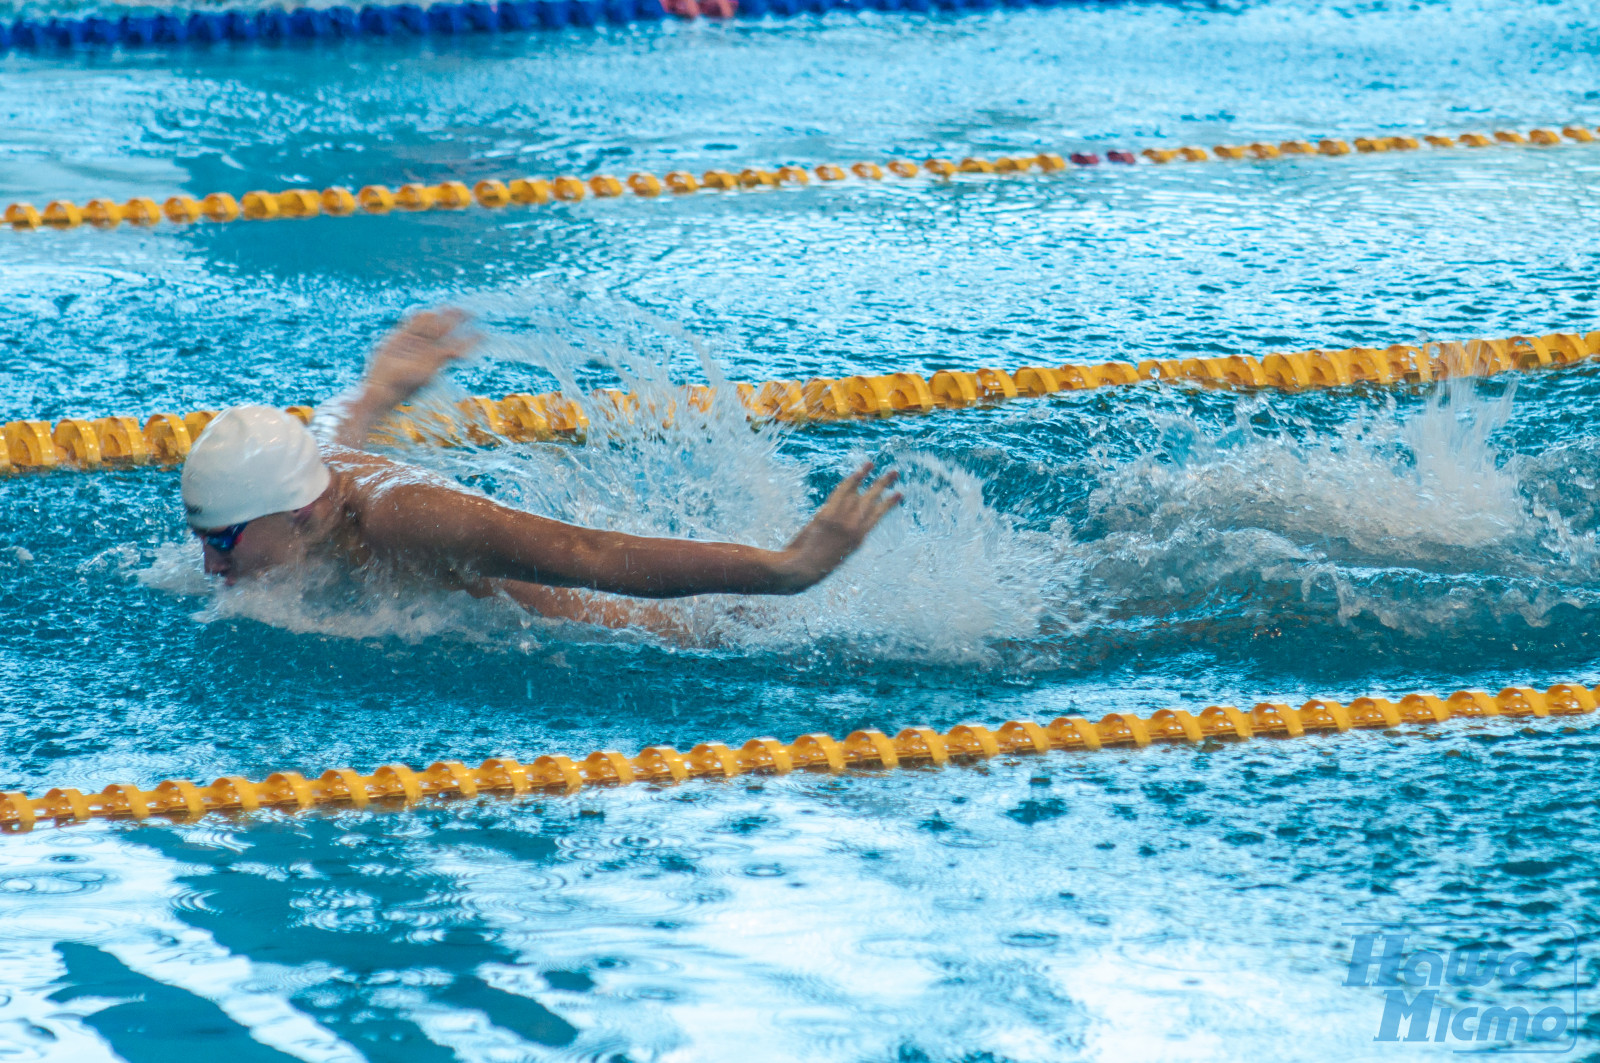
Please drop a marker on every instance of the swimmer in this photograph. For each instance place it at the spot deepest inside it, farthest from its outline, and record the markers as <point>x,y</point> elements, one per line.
<point>262,495</point>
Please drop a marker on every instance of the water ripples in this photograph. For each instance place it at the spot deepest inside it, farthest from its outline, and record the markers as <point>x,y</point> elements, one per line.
<point>1117,550</point>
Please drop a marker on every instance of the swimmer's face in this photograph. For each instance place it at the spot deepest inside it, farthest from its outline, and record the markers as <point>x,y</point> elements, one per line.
<point>264,543</point>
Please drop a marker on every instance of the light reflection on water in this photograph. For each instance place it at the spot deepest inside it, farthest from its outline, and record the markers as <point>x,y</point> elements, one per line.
<point>1120,550</point>
<point>1171,903</point>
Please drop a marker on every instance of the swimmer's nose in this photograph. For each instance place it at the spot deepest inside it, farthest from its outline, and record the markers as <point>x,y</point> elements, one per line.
<point>217,564</point>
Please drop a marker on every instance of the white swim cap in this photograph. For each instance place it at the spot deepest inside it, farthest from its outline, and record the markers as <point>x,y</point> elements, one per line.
<point>251,461</point>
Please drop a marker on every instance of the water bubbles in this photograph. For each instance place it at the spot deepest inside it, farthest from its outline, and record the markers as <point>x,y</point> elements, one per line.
<point>943,579</point>
<point>52,883</point>
<point>1412,520</point>
<point>764,870</point>
<point>1031,939</point>
<point>1124,548</point>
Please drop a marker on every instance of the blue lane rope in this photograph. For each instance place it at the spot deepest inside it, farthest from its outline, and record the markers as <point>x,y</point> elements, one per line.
<point>339,22</point>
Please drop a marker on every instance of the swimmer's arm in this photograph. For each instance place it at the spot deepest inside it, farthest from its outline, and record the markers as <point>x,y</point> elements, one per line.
<point>561,603</point>
<point>435,527</point>
<point>407,360</point>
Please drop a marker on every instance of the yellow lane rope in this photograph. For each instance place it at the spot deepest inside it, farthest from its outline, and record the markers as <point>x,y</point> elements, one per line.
<point>529,191</point>
<point>165,438</point>
<point>554,773</point>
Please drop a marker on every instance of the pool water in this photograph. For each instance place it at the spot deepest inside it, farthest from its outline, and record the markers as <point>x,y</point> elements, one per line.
<point>1124,549</point>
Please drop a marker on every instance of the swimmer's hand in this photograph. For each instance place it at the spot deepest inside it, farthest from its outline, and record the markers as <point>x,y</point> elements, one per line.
<point>839,528</point>
<point>406,361</point>
<point>413,354</point>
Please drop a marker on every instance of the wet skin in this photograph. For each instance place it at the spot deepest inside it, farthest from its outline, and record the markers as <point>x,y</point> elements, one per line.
<point>378,509</point>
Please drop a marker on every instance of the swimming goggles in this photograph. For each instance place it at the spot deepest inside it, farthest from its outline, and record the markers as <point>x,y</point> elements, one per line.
<point>222,540</point>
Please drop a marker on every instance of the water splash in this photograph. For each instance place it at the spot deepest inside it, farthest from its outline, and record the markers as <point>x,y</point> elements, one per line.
<point>1195,532</point>
<point>1414,521</point>
<point>943,579</point>
<point>322,599</point>
<point>1382,487</point>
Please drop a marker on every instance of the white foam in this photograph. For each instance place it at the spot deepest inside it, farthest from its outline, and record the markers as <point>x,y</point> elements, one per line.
<point>1263,517</point>
<point>943,578</point>
<point>1424,500</point>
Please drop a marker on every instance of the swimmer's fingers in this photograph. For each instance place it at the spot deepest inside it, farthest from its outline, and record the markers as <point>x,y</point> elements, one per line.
<point>881,484</point>
<point>873,495</point>
<point>413,354</point>
<point>879,500</point>
<point>443,345</point>
<point>462,339</point>
<point>838,528</point>
<point>438,336</point>
<point>847,494</point>
<point>461,345</point>
<point>434,324</point>
<point>861,510</point>
<point>443,330</point>
<point>851,485</point>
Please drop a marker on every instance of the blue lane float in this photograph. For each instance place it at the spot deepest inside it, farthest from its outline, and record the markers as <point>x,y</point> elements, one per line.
<point>279,25</point>
<point>276,25</point>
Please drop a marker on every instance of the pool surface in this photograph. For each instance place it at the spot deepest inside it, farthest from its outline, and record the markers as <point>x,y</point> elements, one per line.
<point>1122,549</point>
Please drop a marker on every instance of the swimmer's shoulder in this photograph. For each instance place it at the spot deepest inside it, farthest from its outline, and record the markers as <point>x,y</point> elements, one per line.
<point>350,460</point>
<point>364,478</point>
<point>359,476</point>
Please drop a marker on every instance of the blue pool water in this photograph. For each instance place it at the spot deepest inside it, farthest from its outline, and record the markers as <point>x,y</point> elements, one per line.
<point>1134,548</point>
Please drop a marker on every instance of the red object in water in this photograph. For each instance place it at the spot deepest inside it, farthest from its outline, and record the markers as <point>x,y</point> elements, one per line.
<point>681,8</point>
<point>719,8</point>
<point>1125,157</point>
<point>1082,159</point>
